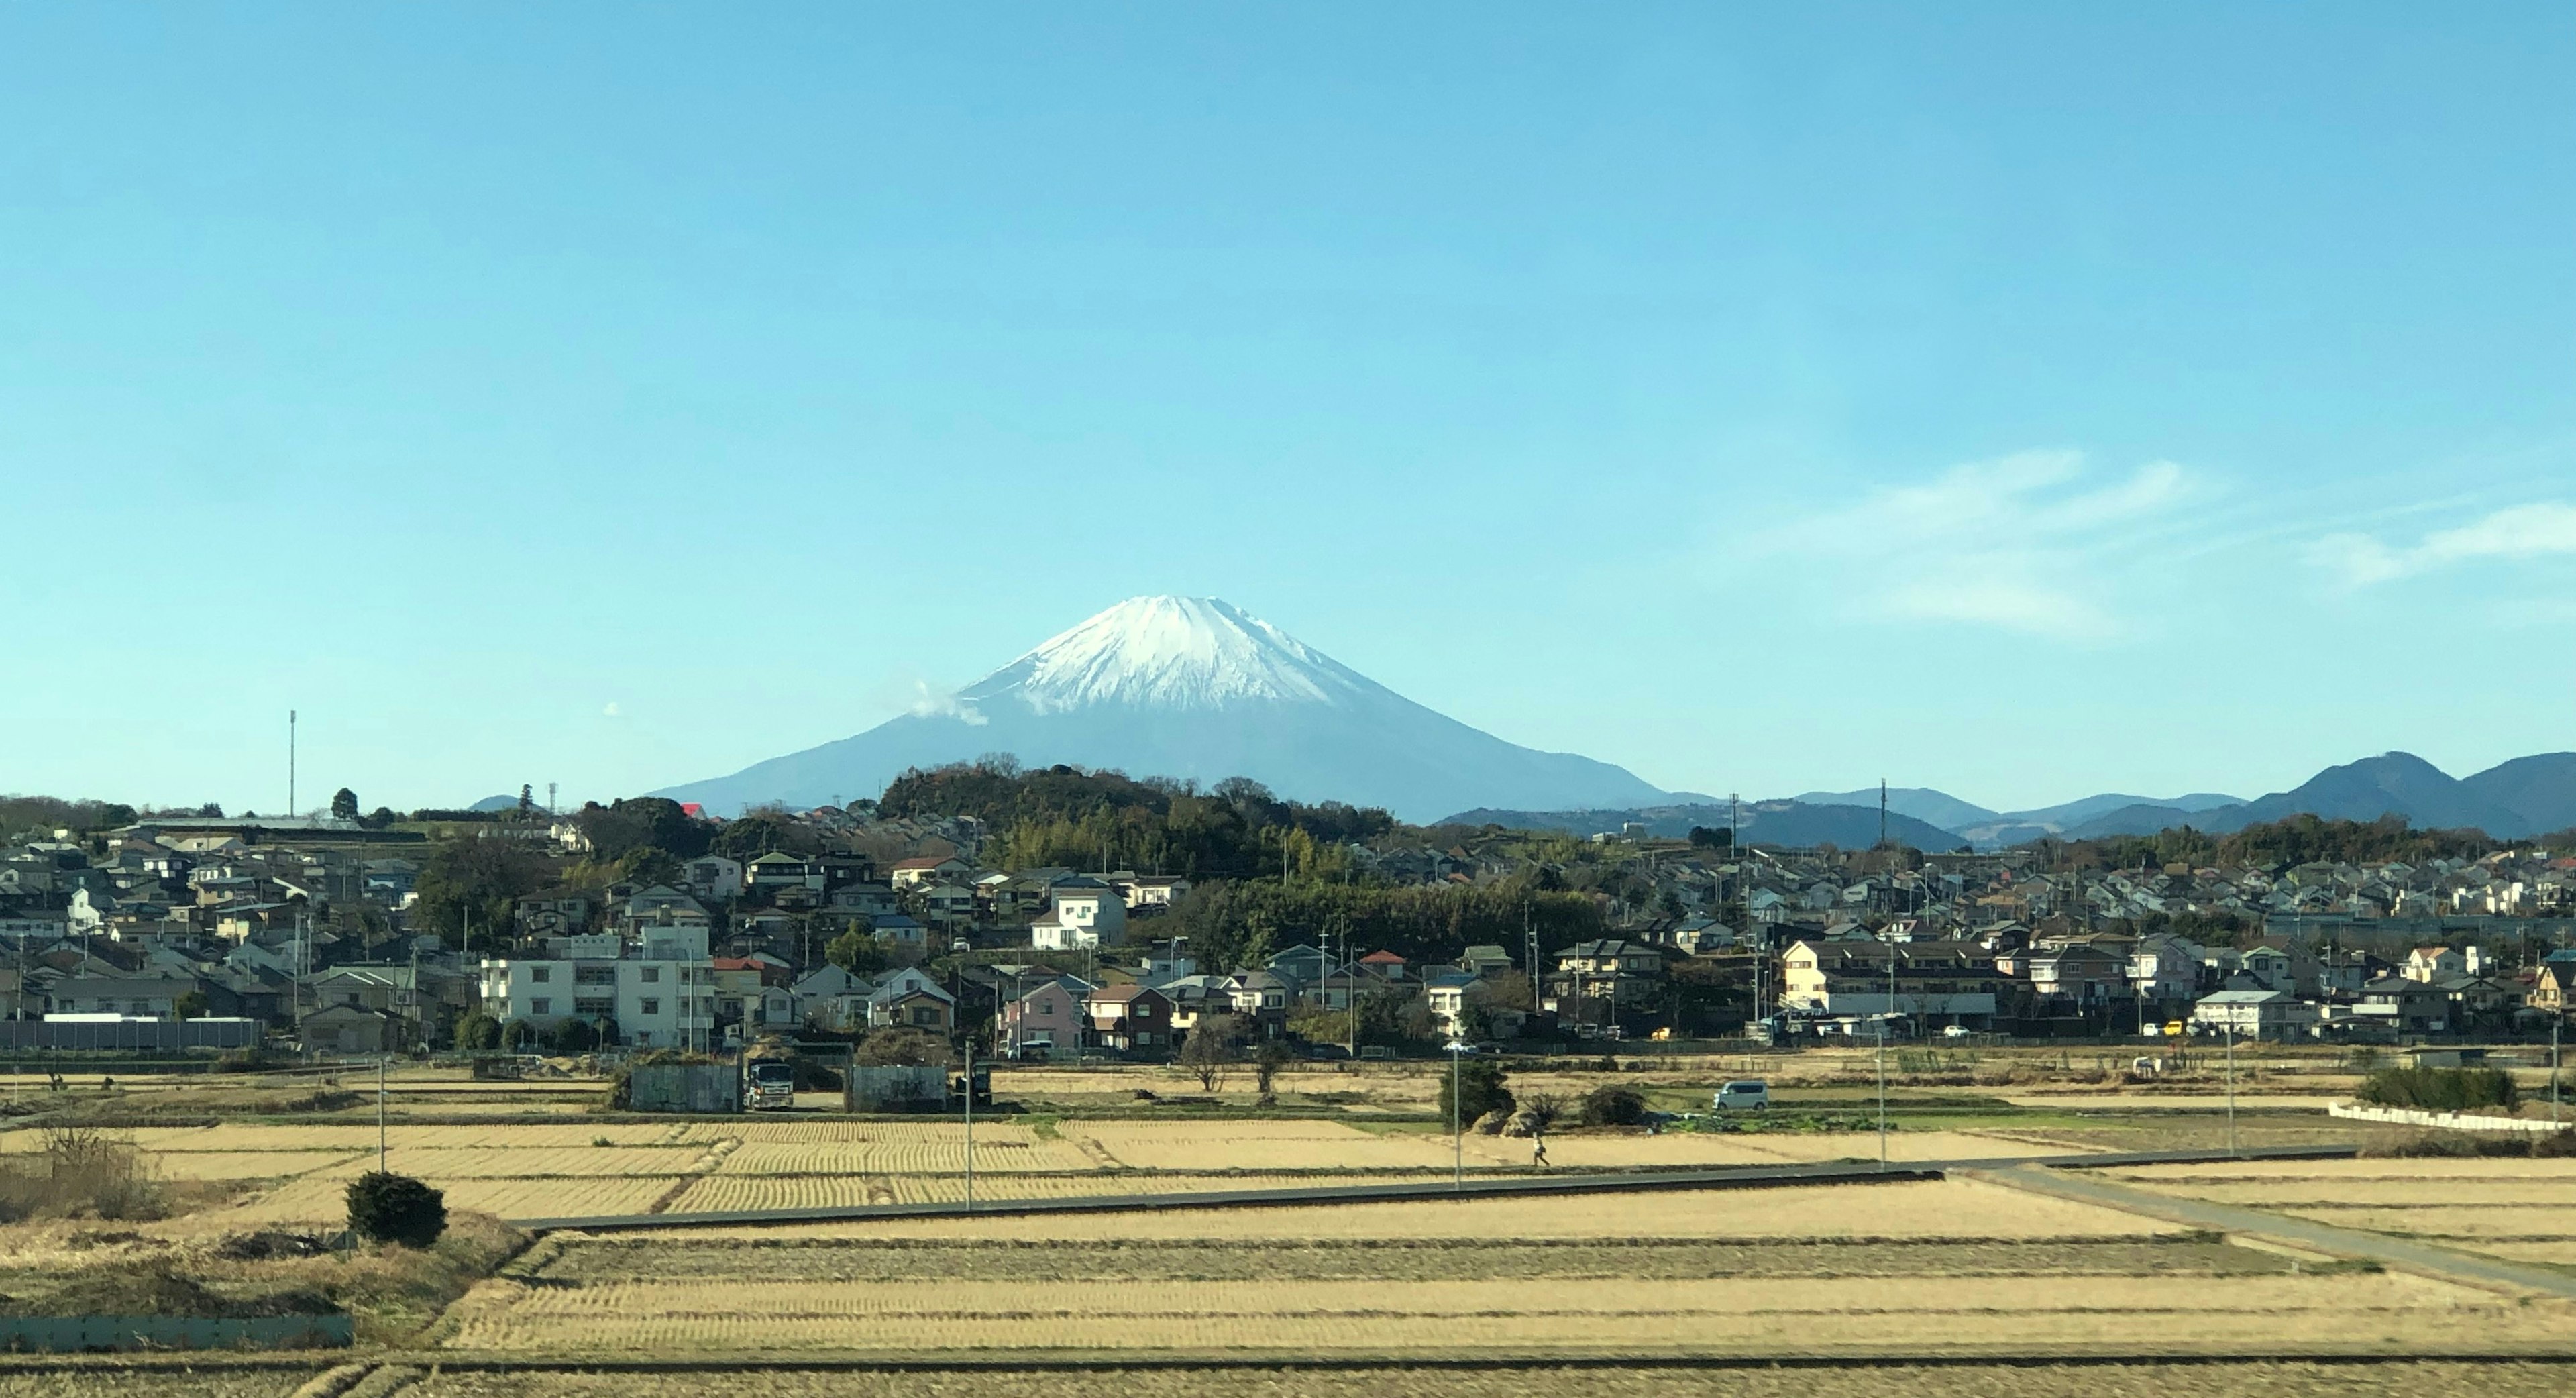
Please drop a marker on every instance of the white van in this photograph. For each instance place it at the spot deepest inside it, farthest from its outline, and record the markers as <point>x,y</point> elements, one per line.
<point>1751,1094</point>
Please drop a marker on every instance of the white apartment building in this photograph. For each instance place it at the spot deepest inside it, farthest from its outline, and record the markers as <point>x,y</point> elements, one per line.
<point>658,987</point>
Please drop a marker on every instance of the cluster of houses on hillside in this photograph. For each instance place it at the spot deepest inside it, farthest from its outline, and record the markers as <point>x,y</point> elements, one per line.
<point>2079,983</point>
<point>306,926</point>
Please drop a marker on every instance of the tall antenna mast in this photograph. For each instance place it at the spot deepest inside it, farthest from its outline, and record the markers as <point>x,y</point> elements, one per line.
<point>290,763</point>
<point>1882,812</point>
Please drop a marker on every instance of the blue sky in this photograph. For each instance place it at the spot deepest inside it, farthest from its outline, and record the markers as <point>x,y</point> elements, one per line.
<point>2025,401</point>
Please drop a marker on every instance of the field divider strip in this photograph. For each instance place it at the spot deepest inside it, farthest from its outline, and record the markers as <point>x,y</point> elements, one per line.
<point>1730,1178</point>
<point>1726,1177</point>
<point>2488,1274</point>
<point>1098,1361</point>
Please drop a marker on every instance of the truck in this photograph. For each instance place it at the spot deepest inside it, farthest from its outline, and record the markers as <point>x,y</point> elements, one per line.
<point>768,1085</point>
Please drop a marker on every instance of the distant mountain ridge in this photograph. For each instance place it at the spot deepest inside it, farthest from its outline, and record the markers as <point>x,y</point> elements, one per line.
<point>2525,796</point>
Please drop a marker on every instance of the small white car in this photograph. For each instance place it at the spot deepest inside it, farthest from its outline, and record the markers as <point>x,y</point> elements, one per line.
<point>1747,1095</point>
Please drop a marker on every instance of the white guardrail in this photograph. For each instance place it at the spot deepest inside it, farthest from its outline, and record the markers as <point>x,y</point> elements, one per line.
<point>2448,1121</point>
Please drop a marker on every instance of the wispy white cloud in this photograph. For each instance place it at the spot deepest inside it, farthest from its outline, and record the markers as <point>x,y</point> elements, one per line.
<point>612,711</point>
<point>2515,532</point>
<point>928,702</point>
<point>2026,543</point>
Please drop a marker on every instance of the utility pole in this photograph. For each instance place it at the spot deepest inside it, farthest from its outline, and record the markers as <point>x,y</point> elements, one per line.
<point>380,1115</point>
<point>2231,1081</point>
<point>1457,1115</point>
<point>970,1121</point>
<point>1884,1024</point>
<point>2553,1069</point>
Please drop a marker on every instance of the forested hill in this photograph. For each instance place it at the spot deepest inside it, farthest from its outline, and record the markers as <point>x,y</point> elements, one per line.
<point>1064,816</point>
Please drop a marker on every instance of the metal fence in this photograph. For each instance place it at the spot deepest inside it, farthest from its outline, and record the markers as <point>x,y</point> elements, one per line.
<point>898,1089</point>
<point>684,1087</point>
<point>82,1035</point>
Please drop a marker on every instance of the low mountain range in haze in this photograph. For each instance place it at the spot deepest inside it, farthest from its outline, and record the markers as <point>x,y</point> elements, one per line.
<point>2526,796</point>
<point>1195,688</point>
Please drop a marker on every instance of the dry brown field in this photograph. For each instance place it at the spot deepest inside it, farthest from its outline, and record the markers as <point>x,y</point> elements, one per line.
<point>2259,1380</point>
<point>2519,1209</point>
<point>1951,1266</point>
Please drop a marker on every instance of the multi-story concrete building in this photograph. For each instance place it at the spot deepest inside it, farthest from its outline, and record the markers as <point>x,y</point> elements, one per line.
<point>657,988</point>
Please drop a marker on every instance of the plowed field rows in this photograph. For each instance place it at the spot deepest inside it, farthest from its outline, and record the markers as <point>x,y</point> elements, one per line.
<point>1446,1314</point>
<point>319,1200</point>
<point>905,1155</point>
<point>249,1165</point>
<point>725,1191</point>
<point>2247,1380</point>
<point>624,1258</point>
<point>1260,1145</point>
<point>1959,1209</point>
<point>570,1162</point>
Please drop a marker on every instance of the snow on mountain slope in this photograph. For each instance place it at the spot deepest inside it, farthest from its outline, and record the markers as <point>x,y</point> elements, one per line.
<point>1178,653</point>
<point>1195,688</point>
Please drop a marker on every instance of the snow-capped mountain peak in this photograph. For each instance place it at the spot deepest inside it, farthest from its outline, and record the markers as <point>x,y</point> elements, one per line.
<point>1168,653</point>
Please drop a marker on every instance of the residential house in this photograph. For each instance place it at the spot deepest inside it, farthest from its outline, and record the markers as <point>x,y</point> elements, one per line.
<point>2087,976</point>
<point>1596,981</point>
<point>1129,1018</point>
<point>2405,1005</point>
<point>1387,966</point>
<point>1045,1017</point>
<point>1150,891</point>
<point>830,997</point>
<point>1261,1000</point>
<point>154,997</point>
<point>352,1029</point>
<point>713,878</point>
<point>928,869</point>
<point>2429,964</point>
<point>1484,959</point>
<point>865,899</point>
<point>2254,1014</point>
<point>1932,982</point>
<point>557,914</point>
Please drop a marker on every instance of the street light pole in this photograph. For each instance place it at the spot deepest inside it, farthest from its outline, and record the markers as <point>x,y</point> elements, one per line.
<point>970,1123</point>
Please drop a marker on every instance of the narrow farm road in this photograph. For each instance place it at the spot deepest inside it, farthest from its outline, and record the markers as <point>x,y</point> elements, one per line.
<point>2411,1256</point>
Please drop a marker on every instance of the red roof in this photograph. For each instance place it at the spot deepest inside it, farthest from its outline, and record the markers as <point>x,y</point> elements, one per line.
<point>1381,958</point>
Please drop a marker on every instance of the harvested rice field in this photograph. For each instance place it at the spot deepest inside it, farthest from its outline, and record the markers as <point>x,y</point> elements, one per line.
<point>1904,1267</point>
<point>723,1192</point>
<point>2235,1380</point>
<point>1900,1209</point>
<point>2516,1208</point>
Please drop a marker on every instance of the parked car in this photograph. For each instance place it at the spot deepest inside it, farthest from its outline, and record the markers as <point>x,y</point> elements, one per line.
<point>1956,1031</point>
<point>1749,1094</point>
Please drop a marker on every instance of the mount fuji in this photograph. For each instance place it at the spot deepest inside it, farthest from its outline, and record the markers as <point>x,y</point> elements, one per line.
<point>1193,687</point>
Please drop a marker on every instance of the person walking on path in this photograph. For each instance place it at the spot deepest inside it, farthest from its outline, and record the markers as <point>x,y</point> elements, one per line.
<point>1538,1150</point>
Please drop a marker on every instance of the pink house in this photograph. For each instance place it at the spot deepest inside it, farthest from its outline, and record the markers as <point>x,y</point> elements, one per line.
<point>1045,1018</point>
